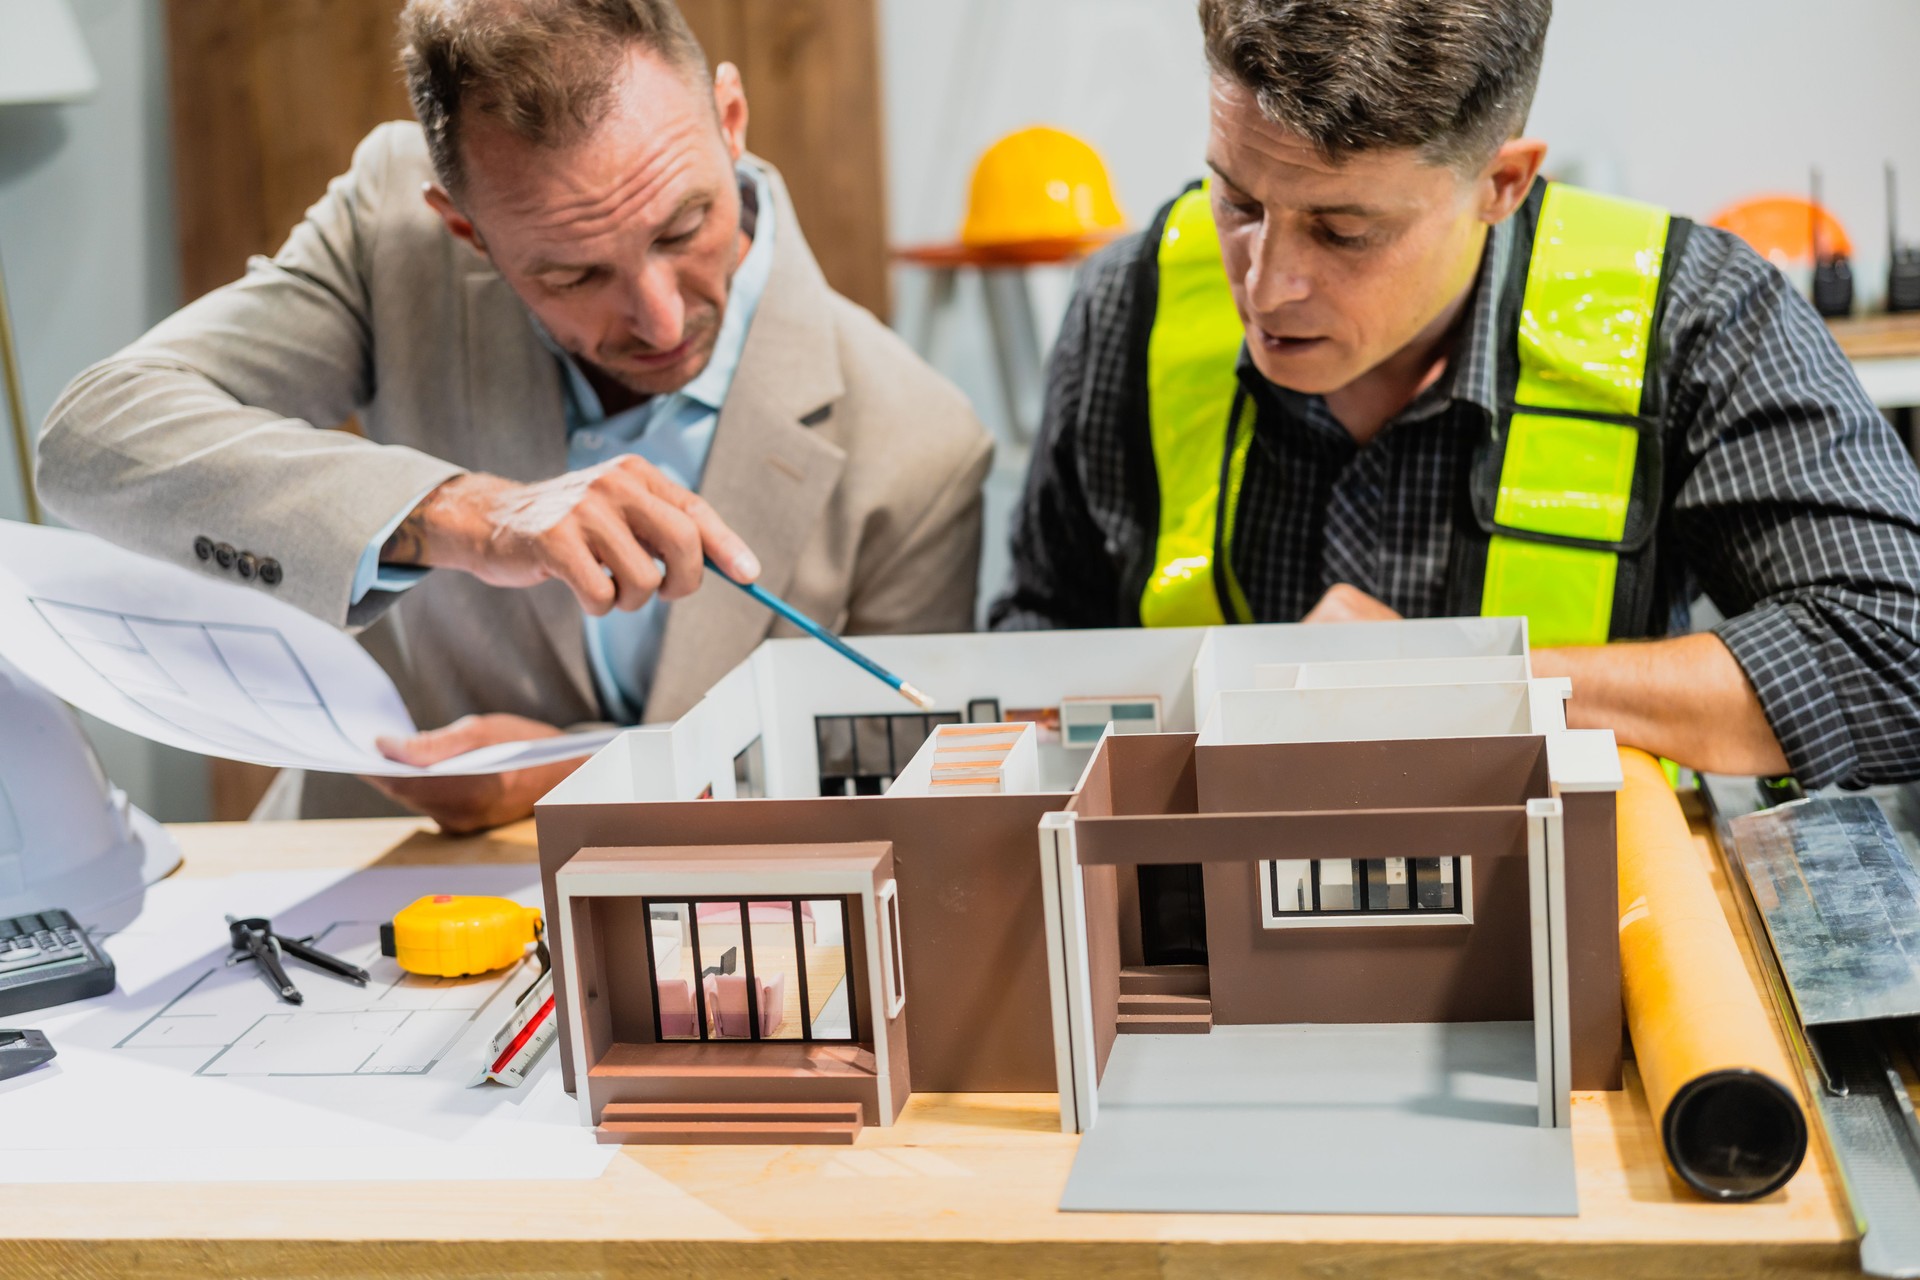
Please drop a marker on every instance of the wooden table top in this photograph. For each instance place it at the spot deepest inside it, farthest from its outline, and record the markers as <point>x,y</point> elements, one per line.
<point>962,1185</point>
<point>1878,337</point>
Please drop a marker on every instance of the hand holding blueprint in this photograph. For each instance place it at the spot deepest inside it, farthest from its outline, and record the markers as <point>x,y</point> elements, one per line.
<point>211,666</point>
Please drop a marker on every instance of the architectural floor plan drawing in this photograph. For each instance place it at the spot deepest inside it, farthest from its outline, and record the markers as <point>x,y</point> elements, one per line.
<point>242,686</point>
<point>398,1024</point>
<point>159,1081</point>
<point>210,666</point>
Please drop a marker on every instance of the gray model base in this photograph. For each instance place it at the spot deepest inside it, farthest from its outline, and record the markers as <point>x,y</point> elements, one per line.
<point>1420,1118</point>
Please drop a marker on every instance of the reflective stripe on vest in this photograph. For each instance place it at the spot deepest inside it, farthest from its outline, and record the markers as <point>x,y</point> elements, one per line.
<point>1585,329</point>
<point>1199,447</point>
<point>1585,325</point>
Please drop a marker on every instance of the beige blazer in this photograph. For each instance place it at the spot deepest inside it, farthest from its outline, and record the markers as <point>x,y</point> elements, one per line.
<point>850,467</point>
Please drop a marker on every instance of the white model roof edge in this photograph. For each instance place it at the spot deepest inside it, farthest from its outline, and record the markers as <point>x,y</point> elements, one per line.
<point>775,694</point>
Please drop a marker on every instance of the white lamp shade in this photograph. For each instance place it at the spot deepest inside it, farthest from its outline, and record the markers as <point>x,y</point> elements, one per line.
<point>42,57</point>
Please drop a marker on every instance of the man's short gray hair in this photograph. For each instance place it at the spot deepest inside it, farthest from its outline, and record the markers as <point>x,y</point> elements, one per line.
<point>1452,79</point>
<point>543,69</point>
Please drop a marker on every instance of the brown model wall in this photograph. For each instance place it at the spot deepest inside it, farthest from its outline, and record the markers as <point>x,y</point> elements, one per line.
<point>1593,940</point>
<point>599,1030</point>
<point>1095,799</point>
<point>1472,973</point>
<point>1374,973</point>
<point>620,965</point>
<point>1103,958</point>
<point>707,1073</point>
<point>1095,794</point>
<point>1480,972</point>
<point>1202,838</point>
<point>978,1011</point>
<point>1292,777</point>
<point>1151,773</point>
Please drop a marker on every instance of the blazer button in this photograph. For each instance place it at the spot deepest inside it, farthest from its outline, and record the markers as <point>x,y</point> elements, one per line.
<point>203,547</point>
<point>270,572</point>
<point>223,554</point>
<point>244,564</point>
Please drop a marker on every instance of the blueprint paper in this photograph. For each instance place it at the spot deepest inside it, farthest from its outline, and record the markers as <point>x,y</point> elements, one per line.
<point>211,667</point>
<point>193,1071</point>
<point>1404,1118</point>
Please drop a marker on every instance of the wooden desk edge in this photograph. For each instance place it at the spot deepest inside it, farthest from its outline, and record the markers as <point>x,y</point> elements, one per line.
<point>907,1260</point>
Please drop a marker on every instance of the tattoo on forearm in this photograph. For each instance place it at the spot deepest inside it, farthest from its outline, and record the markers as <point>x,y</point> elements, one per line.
<point>408,543</point>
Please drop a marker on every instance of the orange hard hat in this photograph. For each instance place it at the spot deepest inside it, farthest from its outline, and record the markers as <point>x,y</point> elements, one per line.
<point>1040,184</point>
<point>1781,228</point>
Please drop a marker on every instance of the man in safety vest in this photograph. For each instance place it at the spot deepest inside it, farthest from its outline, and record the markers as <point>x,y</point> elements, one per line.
<point>1375,367</point>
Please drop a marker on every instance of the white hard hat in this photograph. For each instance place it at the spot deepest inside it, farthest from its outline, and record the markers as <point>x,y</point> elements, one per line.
<point>68,837</point>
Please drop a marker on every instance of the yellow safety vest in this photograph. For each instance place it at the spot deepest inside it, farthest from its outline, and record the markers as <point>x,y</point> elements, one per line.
<point>1568,444</point>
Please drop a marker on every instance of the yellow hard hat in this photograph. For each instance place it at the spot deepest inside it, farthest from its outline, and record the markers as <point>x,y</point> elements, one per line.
<point>1040,184</point>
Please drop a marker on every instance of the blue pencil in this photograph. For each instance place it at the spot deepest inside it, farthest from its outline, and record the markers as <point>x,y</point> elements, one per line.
<point>827,638</point>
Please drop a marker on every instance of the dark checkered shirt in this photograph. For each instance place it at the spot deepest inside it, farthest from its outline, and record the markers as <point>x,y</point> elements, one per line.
<point>1797,510</point>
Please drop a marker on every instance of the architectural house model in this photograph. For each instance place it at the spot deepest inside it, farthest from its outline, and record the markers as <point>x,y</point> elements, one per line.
<point>1204,883</point>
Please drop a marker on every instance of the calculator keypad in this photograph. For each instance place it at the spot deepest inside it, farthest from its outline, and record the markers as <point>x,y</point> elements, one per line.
<point>29,941</point>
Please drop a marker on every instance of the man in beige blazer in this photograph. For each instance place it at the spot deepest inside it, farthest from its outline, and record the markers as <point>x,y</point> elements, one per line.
<point>581,186</point>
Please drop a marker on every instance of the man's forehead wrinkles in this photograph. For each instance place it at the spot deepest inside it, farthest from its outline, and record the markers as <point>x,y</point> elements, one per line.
<point>639,195</point>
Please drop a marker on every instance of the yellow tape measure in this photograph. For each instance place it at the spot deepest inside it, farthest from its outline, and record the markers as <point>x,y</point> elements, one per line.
<point>448,935</point>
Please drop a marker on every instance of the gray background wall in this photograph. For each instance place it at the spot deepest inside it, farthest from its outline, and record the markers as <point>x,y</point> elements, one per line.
<point>87,239</point>
<point>1688,103</point>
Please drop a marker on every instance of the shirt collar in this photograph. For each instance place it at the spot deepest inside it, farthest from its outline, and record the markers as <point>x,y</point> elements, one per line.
<point>743,299</point>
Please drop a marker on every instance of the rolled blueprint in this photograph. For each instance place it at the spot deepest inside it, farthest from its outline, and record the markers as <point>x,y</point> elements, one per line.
<point>1715,1074</point>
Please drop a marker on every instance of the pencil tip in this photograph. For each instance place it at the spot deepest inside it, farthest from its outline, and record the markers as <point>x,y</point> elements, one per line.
<point>916,697</point>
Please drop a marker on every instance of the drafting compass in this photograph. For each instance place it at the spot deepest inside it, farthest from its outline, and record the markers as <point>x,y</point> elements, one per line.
<point>254,939</point>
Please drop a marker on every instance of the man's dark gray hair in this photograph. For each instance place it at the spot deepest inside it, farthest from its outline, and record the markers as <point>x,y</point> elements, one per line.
<point>543,69</point>
<point>1452,79</point>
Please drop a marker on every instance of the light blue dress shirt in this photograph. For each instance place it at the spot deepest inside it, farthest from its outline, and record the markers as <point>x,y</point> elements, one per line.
<point>673,431</point>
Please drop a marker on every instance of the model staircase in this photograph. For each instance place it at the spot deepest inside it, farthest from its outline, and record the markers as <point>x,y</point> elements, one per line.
<point>735,1123</point>
<point>1164,1000</point>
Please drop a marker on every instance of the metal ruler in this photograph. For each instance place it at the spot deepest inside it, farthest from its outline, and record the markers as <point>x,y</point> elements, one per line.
<point>1829,895</point>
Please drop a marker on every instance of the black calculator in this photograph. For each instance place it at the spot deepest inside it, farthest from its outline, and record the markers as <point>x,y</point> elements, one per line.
<point>48,959</point>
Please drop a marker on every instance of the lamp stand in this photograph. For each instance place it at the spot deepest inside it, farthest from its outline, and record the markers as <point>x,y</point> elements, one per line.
<point>16,404</point>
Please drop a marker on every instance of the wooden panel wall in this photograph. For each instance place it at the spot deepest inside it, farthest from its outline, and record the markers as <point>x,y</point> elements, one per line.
<point>269,98</point>
<point>812,73</point>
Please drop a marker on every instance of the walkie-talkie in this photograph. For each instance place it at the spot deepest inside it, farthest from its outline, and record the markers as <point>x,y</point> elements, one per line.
<point>1832,273</point>
<point>1903,261</point>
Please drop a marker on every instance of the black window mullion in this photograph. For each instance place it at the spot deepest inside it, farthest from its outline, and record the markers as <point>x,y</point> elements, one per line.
<point>846,951</point>
<point>753,988</point>
<point>653,968</point>
<point>800,966</point>
<point>699,970</point>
